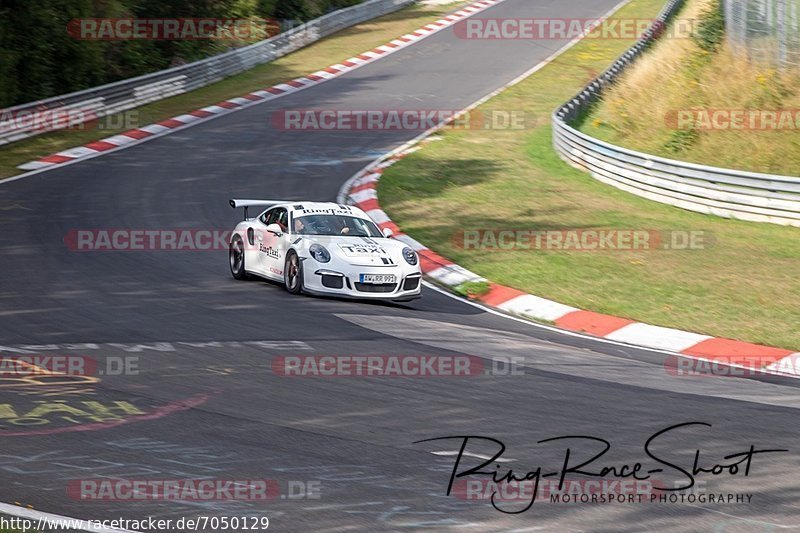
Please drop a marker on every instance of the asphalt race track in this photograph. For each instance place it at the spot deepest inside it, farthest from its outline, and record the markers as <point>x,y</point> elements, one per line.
<point>206,402</point>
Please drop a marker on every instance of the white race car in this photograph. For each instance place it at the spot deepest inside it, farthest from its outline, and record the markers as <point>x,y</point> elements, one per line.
<point>323,248</point>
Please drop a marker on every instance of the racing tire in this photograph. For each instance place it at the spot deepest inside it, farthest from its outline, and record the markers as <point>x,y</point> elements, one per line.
<point>293,273</point>
<point>236,258</point>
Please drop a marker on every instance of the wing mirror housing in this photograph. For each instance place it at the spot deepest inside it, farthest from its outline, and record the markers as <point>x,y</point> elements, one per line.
<point>388,233</point>
<point>275,230</point>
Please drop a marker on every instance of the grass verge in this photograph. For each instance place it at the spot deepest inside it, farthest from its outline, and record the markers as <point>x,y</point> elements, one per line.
<point>681,101</point>
<point>322,54</point>
<point>743,287</point>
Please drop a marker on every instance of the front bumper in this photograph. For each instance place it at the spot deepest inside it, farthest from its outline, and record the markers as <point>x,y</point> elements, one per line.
<point>345,282</point>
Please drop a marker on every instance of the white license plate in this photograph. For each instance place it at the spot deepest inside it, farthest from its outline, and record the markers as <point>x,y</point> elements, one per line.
<point>378,278</point>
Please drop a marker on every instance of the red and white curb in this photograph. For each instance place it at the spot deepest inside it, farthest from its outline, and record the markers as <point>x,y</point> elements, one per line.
<point>361,191</point>
<point>139,135</point>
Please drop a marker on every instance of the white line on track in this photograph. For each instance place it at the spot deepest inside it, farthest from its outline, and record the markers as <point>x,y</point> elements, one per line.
<point>603,340</point>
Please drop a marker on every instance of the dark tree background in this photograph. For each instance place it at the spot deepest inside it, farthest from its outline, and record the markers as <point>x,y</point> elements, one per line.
<point>39,58</point>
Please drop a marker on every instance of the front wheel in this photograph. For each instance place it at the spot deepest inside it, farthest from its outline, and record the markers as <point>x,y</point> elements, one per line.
<point>293,274</point>
<point>236,258</point>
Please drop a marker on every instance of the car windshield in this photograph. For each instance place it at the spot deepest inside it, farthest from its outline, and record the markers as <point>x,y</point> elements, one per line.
<point>341,225</point>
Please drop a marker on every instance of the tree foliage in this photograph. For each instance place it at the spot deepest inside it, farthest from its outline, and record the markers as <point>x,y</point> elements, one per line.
<point>39,58</point>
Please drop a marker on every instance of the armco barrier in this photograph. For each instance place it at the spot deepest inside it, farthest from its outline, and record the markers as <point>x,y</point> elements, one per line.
<point>127,94</point>
<point>728,193</point>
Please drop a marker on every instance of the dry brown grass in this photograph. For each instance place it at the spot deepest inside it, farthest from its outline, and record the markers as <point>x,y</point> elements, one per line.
<point>679,75</point>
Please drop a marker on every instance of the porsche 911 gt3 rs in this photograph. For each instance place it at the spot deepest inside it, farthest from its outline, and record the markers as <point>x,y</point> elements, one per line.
<point>323,248</point>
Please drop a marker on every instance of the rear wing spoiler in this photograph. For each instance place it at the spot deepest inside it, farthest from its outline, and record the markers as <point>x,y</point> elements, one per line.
<point>246,204</point>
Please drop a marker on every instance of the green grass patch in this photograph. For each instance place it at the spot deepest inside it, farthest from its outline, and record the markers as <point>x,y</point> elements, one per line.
<point>322,54</point>
<point>743,287</point>
<point>472,289</point>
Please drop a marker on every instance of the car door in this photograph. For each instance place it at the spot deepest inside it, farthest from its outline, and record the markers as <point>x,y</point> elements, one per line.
<point>255,239</point>
<point>272,246</point>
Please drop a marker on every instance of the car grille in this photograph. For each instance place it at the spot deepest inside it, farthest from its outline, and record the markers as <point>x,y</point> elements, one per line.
<point>411,284</point>
<point>332,282</point>
<point>376,287</point>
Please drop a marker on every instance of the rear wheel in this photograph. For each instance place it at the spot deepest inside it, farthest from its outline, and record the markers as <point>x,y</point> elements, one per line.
<point>236,258</point>
<point>293,274</point>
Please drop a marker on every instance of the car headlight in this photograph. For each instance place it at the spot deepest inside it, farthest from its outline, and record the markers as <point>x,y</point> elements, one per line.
<point>319,253</point>
<point>410,256</point>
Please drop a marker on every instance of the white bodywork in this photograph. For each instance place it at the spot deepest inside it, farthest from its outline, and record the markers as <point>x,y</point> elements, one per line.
<point>359,267</point>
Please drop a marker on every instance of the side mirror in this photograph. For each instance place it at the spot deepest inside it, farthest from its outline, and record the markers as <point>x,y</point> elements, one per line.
<point>388,233</point>
<point>275,230</point>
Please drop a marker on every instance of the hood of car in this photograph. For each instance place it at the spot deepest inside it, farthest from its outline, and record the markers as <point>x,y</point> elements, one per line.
<point>364,251</point>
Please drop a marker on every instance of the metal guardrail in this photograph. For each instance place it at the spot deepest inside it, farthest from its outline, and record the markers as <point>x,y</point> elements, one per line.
<point>127,94</point>
<point>723,192</point>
